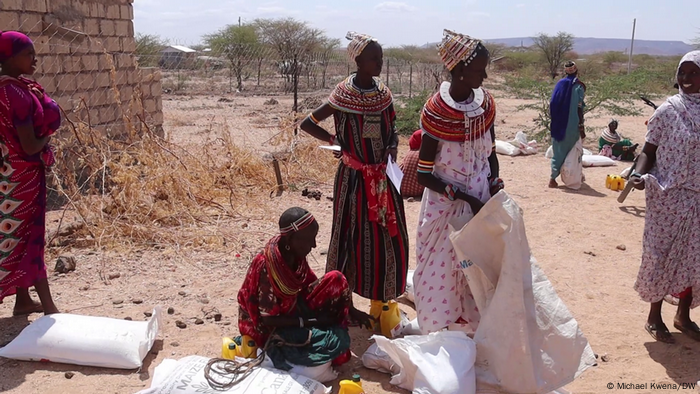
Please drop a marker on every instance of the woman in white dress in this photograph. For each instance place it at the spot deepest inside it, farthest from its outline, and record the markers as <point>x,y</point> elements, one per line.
<point>459,169</point>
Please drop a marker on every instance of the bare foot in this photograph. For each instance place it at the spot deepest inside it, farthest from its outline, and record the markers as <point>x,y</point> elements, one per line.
<point>27,309</point>
<point>51,311</point>
<point>553,184</point>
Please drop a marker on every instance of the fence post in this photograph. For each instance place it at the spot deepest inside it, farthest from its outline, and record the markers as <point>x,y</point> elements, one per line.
<point>387,72</point>
<point>410,80</point>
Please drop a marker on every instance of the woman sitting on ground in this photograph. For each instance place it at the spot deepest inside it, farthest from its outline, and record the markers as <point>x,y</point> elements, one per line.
<point>409,185</point>
<point>612,145</point>
<point>282,298</point>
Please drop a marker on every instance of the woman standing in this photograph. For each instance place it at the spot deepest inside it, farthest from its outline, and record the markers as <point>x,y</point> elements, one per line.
<point>566,110</point>
<point>28,117</point>
<point>369,241</point>
<point>669,169</point>
<point>459,169</point>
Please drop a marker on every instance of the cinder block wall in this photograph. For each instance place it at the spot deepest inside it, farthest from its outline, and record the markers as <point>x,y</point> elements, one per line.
<point>85,52</point>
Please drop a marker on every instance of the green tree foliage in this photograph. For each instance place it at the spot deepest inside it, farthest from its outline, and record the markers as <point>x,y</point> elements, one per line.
<point>237,43</point>
<point>148,47</point>
<point>616,94</point>
<point>408,113</point>
<point>553,49</point>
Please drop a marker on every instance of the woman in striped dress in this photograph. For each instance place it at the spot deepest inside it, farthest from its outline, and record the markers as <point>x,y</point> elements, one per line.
<point>369,240</point>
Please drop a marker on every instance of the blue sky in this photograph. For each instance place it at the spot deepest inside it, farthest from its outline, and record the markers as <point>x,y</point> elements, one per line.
<point>418,22</point>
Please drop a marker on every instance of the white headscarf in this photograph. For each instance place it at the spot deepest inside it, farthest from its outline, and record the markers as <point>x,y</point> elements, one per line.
<point>689,104</point>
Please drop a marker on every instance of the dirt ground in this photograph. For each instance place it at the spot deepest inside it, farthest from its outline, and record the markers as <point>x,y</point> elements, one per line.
<point>573,234</point>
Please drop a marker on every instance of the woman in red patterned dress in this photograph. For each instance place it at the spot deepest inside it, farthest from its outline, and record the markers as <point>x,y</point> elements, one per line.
<point>281,294</point>
<point>369,240</point>
<point>28,118</point>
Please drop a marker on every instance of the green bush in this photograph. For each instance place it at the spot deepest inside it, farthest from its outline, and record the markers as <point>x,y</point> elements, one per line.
<point>408,112</point>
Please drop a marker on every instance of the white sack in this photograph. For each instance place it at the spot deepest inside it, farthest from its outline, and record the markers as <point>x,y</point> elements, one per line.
<point>597,161</point>
<point>506,148</point>
<point>377,359</point>
<point>85,340</point>
<point>572,169</point>
<point>410,290</point>
<point>186,376</point>
<point>527,340</point>
<point>438,363</point>
<point>323,373</point>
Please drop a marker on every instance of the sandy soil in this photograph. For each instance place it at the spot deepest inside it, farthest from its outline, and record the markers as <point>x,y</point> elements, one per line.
<point>573,234</point>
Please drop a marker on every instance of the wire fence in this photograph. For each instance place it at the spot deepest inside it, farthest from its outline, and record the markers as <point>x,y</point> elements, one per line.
<point>261,70</point>
<point>88,65</point>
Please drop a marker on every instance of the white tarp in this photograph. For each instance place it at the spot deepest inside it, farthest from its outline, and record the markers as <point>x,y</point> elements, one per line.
<point>527,340</point>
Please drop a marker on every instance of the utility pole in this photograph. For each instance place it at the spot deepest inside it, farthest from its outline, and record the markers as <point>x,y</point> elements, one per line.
<point>239,21</point>
<point>629,64</point>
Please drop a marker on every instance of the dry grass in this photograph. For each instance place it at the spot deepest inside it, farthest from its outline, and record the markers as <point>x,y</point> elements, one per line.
<point>141,190</point>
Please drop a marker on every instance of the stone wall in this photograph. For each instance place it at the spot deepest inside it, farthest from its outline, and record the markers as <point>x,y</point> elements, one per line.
<point>86,55</point>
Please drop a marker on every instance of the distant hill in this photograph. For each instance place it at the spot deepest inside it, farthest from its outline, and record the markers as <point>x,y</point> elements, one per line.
<point>587,46</point>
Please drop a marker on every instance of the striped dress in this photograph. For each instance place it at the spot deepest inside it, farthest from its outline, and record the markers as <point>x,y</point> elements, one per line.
<point>369,240</point>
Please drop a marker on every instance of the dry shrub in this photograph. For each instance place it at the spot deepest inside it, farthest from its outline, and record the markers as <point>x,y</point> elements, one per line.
<point>140,189</point>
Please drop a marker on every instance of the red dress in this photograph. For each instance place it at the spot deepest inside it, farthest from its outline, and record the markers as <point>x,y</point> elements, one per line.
<point>260,295</point>
<point>23,183</point>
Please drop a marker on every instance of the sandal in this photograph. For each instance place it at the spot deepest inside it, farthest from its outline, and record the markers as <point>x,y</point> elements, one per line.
<point>693,331</point>
<point>659,332</point>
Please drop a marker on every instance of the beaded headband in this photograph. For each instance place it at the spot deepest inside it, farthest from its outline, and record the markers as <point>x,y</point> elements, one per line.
<point>299,224</point>
<point>358,43</point>
<point>456,47</point>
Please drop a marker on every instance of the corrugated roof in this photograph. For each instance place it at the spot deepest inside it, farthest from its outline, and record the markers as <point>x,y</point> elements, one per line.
<point>180,48</point>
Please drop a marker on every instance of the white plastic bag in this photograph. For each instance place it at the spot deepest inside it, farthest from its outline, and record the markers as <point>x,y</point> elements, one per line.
<point>85,340</point>
<point>410,291</point>
<point>506,148</point>
<point>550,152</point>
<point>412,328</point>
<point>597,161</point>
<point>527,340</point>
<point>438,363</point>
<point>186,376</point>
<point>377,359</point>
<point>572,169</point>
<point>323,373</point>
<point>526,147</point>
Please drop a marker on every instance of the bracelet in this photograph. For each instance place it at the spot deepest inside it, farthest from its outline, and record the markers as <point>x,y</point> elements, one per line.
<point>301,322</point>
<point>313,119</point>
<point>450,191</point>
<point>426,167</point>
<point>635,174</point>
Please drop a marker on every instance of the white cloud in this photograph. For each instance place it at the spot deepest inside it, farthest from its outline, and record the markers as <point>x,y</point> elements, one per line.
<point>480,14</point>
<point>395,6</point>
<point>521,5</point>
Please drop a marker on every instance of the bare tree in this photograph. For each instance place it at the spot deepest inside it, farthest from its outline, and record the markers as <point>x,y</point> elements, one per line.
<point>328,48</point>
<point>237,43</point>
<point>294,41</point>
<point>553,49</point>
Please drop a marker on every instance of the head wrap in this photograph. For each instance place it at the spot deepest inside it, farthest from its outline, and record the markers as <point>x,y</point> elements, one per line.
<point>690,102</point>
<point>358,43</point>
<point>613,121</point>
<point>299,224</point>
<point>570,68</point>
<point>12,43</point>
<point>415,140</point>
<point>456,48</point>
